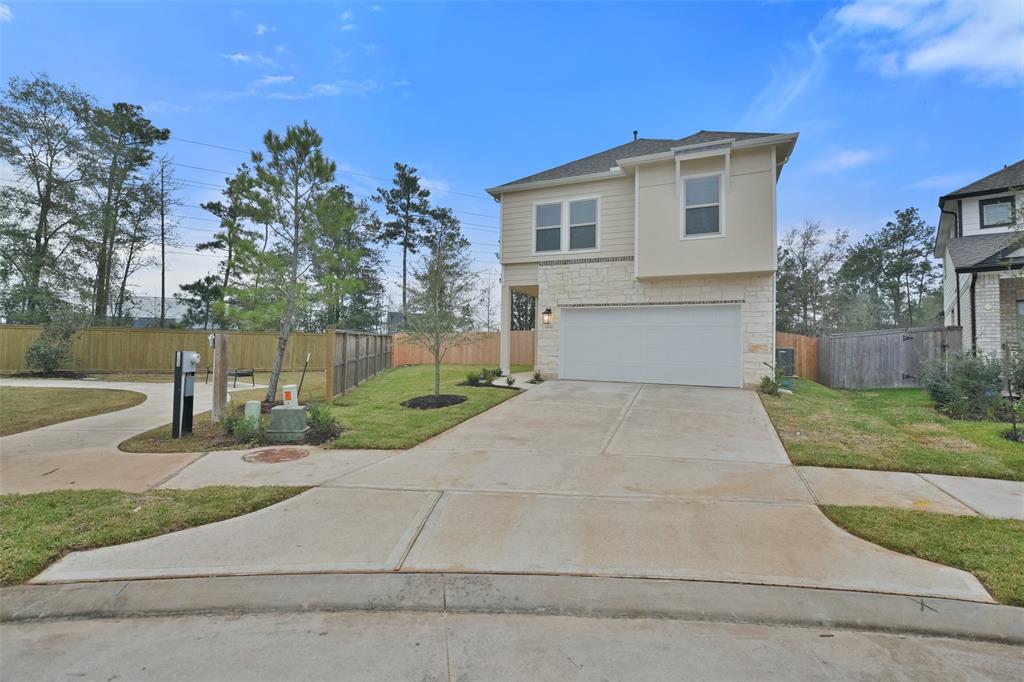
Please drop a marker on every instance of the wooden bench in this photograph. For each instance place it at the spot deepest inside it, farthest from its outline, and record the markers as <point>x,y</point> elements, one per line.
<point>235,373</point>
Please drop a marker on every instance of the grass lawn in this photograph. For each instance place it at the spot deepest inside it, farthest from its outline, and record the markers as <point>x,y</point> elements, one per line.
<point>373,417</point>
<point>40,528</point>
<point>23,407</point>
<point>891,429</point>
<point>370,414</point>
<point>991,549</point>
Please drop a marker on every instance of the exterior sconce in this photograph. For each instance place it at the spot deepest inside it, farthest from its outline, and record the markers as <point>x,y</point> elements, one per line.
<point>546,316</point>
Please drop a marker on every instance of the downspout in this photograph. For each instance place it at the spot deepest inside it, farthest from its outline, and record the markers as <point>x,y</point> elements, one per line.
<point>974,326</point>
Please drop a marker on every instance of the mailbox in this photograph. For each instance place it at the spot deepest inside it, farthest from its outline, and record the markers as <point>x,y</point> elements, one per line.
<point>185,364</point>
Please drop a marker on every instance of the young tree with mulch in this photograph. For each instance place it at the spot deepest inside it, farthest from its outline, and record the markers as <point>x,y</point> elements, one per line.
<point>443,292</point>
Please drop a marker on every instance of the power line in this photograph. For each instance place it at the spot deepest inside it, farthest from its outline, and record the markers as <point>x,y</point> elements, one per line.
<point>345,172</point>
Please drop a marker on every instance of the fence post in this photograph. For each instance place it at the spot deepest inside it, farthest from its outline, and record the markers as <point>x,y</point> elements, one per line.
<point>220,377</point>
<point>329,363</point>
<point>344,362</point>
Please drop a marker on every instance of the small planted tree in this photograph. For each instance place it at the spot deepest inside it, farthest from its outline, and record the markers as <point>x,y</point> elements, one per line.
<point>443,292</point>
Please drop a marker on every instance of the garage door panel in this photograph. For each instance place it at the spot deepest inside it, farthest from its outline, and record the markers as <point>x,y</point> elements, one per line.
<point>697,345</point>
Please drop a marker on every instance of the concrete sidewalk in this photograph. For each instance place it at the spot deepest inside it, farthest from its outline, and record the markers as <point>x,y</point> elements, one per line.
<point>83,454</point>
<point>961,495</point>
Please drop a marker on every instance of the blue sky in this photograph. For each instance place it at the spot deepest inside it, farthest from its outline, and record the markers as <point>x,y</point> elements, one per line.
<point>896,103</point>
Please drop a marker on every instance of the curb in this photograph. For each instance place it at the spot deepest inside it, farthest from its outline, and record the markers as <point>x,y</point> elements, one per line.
<point>518,594</point>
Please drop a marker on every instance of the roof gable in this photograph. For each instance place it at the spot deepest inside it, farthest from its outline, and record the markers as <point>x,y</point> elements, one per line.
<point>606,160</point>
<point>1008,176</point>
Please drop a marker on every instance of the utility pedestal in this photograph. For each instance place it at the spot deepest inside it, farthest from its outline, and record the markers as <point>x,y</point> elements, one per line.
<point>288,421</point>
<point>185,364</point>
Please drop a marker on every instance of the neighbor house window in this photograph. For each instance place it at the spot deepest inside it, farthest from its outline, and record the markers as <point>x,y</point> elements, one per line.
<point>996,212</point>
<point>702,197</point>
<point>583,224</point>
<point>549,227</point>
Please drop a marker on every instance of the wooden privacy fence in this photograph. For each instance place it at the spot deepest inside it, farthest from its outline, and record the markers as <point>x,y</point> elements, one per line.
<point>890,358</point>
<point>356,356</point>
<point>805,353</point>
<point>481,349</point>
<point>123,349</point>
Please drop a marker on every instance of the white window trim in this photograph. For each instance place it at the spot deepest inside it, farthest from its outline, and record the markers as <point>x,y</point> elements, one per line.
<point>561,227</point>
<point>722,187</point>
<point>565,225</point>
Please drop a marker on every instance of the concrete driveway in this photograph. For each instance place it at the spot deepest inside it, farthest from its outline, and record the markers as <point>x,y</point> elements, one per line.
<point>582,478</point>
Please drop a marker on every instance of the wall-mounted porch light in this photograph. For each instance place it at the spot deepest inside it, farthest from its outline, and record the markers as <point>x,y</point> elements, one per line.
<point>546,316</point>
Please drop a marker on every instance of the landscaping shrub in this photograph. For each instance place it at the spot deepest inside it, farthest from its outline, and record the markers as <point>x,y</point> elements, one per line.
<point>510,381</point>
<point>486,376</point>
<point>323,425</point>
<point>537,378</point>
<point>48,354</point>
<point>770,385</point>
<point>245,430</point>
<point>966,386</point>
<point>473,378</point>
<point>51,352</point>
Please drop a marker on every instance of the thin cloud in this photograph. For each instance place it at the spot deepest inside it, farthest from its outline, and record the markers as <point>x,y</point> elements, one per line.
<point>242,58</point>
<point>346,15</point>
<point>263,29</point>
<point>375,8</point>
<point>943,182</point>
<point>982,40</point>
<point>785,86</point>
<point>839,160</point>
<point>274,80</point>
<point>5,13</point>
<point>348,27</point>
<point>340,88</point>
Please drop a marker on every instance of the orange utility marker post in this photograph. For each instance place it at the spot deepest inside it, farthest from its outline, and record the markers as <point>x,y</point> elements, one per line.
<point>220,377</point>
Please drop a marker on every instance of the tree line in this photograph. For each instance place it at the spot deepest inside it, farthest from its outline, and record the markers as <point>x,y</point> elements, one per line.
<point>90,203</point>
<point>886,280</point>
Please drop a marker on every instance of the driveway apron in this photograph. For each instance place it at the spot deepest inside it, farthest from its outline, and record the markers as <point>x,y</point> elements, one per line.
<point>588,478</point>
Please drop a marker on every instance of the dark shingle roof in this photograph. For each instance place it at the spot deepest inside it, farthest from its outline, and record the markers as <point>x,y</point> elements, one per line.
<point>603,161</point>
<point>980,250</point>
<point>1009,176</point>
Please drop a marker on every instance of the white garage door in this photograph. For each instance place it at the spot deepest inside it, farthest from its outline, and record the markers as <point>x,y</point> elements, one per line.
<point>697,345</point>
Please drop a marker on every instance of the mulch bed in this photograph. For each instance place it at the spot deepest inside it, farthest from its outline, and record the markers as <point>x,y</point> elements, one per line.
<point>487,385</point>
<point>432,402</point>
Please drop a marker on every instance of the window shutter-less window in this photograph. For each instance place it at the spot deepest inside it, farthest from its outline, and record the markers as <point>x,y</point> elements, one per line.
<point>703,204</point>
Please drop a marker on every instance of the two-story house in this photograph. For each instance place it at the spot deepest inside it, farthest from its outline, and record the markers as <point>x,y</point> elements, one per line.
<point>653,261</point>
<point>979,240</point>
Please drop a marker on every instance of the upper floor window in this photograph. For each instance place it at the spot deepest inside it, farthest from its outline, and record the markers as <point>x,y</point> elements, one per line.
<point>702,204</point>
<point>549,227</point>
<point>553,234</point>
<point>583,224</point>
<point>996,212</point>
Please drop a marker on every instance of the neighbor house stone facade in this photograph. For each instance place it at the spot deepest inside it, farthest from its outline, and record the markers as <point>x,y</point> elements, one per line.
<point>610,281</point>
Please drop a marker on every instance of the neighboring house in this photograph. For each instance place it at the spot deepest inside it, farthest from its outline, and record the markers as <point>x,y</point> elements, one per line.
<point>145,311</point>
<point>653,261</point>
<point>979,240</point>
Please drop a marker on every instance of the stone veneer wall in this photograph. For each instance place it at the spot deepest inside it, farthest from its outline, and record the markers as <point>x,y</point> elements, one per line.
<point>611,281</point>
<point>1011,290</point>
<point>986,300</point>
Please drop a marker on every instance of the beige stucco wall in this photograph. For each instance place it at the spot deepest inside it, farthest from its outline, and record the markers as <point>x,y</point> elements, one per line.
<point>748,242</point>
<point>612,281</point>
<point>615,221</point>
